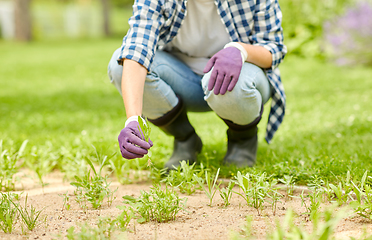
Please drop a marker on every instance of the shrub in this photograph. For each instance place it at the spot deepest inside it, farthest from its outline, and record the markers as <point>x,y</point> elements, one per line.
<point>348,36</point>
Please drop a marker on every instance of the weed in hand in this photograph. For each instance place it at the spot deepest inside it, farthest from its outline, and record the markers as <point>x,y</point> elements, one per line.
<point>145,129</point>
<point>156,205</point>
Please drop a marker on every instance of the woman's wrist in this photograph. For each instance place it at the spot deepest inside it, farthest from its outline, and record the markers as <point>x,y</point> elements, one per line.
<point>242,50</point>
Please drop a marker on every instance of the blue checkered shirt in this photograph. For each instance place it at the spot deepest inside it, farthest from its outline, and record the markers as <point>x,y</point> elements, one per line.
<point>258,22</point>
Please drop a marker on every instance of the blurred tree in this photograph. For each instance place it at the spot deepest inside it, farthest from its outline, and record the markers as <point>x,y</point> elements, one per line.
<point>22,19</point>
<point>106,17</point>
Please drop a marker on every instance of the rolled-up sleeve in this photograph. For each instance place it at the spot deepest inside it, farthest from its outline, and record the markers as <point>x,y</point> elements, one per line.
<point>267,30</point>
<point>139,44</point>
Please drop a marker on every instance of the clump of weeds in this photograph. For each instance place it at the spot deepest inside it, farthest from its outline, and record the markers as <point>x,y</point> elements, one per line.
<point>8,213</point>
<point>256,189</point>
<point>93,187</point>
<point>9,165</point>
<point>156,205</point>
<point>184,178</point>
<point>11,211</point>
<point>29,215</point>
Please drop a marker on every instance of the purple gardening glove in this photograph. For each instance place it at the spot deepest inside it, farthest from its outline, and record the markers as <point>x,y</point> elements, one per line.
<point>227,64</point>
<point>131,142</point>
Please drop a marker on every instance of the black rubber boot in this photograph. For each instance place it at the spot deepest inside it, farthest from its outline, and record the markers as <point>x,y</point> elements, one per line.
<point>187,144</point>
<point>242,144</point>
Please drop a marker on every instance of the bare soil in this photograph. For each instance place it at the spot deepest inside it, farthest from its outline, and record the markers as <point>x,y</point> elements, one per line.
<point>200,221</point>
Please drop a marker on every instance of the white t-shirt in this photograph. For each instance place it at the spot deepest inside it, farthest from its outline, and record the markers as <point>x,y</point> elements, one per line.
<point>201,35</point>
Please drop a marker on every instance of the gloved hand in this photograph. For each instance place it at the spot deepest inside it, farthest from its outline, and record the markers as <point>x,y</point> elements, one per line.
<point>227,64</point>
<point>132,143</point>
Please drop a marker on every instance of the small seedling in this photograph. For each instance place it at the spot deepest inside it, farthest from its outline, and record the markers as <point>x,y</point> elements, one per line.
<point>156,205</point>
<point>312,209</point>
<point>226,193</point>
<point>29,216</point>
<point>289,182</point>
<point>145,129</point>
<point>211,189</point>
<point>66,201</point>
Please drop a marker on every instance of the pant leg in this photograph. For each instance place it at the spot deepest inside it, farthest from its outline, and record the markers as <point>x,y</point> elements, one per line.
<point>243,104</point>
<point>167,79</point>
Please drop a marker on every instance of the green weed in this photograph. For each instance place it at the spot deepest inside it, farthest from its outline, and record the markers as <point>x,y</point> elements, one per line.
<point>29,215</point>
<point>156,205</point>
<point>93,188</point>
<point>256,188</point>
<point>145,129</point>
<point>184,178</point>
<point>289,182</point>
<point>9,165</point>
<point>226,193</point>
<point>210,181</point>
<point>8,213</point>
<point>42,161</point>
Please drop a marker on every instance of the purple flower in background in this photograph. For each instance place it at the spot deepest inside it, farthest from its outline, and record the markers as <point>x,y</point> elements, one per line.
<point>349,36</point>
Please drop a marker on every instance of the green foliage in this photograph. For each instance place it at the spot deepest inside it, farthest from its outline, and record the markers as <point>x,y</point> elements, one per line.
<point>303,23</point>
<point>156,205</point>
<point>93,188</point>
<point>9,165</point>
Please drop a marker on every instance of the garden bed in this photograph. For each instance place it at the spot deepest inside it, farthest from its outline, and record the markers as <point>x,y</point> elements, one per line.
<point>197,221</point>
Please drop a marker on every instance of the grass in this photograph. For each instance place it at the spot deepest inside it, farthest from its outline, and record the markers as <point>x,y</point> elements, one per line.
<point>58,93</point>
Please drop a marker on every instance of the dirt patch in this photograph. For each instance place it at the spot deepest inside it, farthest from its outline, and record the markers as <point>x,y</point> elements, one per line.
<point>200,221</point>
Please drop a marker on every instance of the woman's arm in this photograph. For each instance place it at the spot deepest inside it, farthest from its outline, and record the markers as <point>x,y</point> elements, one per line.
<point>258,55</point>
<point>132,85</point>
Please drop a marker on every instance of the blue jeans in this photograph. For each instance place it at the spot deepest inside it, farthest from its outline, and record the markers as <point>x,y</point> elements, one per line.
<point>169,78</point>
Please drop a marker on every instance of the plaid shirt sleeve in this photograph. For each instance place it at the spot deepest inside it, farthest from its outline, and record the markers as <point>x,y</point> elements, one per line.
<point>140,42</point>
<point>267,30</point>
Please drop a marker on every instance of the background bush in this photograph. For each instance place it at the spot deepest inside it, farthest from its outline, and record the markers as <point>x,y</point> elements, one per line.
<point>348,37</point>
